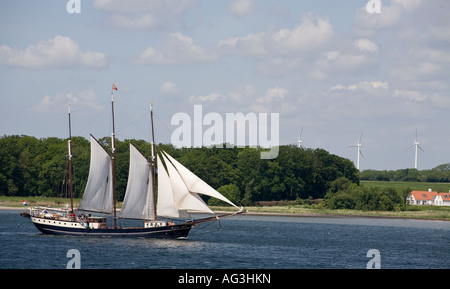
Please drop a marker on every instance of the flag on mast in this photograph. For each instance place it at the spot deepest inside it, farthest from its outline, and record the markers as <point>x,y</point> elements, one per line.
<point>114,87</point>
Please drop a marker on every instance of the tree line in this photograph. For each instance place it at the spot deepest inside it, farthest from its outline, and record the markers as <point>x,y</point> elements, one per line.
<point>343,194</point>
<point>39,167</point>
<point>438,174</point>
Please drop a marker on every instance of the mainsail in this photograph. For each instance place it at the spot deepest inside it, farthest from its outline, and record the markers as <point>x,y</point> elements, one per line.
<point>138,201</point>
<point>98,193</point>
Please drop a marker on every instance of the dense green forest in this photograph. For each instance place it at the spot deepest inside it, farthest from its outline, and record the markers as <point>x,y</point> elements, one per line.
<point>39,167</point>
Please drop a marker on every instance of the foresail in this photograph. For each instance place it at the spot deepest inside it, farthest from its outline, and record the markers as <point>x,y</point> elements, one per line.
<point>194,184</point>
<point>97,196</point>
<point>174,199</point>
<point>138,201</point>
<point>182,197</point>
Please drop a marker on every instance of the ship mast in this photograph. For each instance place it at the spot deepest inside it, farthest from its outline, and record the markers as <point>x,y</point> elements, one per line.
<point>69,144</point>
<point>153,164</point>
<point>113,148</point>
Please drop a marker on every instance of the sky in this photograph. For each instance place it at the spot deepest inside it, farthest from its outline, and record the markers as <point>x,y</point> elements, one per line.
<point>332,70</point>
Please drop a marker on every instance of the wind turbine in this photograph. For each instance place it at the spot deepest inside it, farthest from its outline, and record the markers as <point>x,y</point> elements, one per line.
<point>299,141</point>
<point>416,144</point>
<point>358,146</point>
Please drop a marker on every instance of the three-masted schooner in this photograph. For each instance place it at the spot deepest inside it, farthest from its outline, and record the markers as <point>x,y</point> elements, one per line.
<point>177,196</point>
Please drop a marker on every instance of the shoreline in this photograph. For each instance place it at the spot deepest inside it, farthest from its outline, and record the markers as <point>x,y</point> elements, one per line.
<point>304,214</point>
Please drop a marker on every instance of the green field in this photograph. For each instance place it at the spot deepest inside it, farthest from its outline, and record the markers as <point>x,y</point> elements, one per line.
<point>413,186</point>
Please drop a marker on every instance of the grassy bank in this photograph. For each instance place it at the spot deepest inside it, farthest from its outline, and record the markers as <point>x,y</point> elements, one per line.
<point>414,212</point>
<point>16,202</point>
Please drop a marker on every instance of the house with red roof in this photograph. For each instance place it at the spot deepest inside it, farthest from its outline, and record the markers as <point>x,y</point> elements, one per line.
<point>445,198</point>
<point>431,198</point>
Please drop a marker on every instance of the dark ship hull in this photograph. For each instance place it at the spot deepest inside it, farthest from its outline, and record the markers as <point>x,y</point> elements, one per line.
<point>73,228</point>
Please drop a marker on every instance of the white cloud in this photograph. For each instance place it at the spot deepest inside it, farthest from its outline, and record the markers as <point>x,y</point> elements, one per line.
<point>409,95</point>
<point>61,51</point>
<point>284,50</point>
<point>311,33</point>
<point>365,45</point>
<point>339,63</point>
<point>176,49</point>
<point>86,98</point>
<point>250,45</point>
<point>338,87</point>
<point>169,88</point>
<point>144,13</point>
<point>242,7</point>
<point>368,86</point>
<point>368,23</point>
<point>242,95</point>
<point>408,4</point>
<point>210,97</point>
<point>273,94</point>
<point>274,100</point>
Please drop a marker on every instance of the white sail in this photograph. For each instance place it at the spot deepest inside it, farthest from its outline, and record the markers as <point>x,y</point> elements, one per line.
<point>138,201</point>
<point>174,199</point>
<point>182,198</point>
<point>194,184</point>
<point>165,202</point>
<point>98,193</point>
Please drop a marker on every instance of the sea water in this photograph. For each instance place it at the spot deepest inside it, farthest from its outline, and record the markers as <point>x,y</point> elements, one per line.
<point>241,242</point>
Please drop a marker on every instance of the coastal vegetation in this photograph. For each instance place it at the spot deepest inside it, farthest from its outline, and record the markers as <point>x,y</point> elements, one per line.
<point>38,167</point>
<point>297,180</point>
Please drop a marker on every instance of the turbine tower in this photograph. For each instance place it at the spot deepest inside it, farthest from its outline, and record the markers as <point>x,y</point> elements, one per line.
<point>299,141</point>
<point>358,146</point>
<point>416,144</point>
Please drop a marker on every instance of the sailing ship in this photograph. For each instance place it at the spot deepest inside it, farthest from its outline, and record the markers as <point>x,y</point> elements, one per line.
<point>165,211</point>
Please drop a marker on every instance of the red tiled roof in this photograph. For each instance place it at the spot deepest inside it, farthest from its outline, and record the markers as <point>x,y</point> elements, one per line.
<point>424,195</point>
<point>427,196</point>
<point>445,196</point>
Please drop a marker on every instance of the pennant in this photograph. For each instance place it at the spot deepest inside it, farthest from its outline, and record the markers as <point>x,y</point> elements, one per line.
<point>24,203</point>
<point>114,87</point>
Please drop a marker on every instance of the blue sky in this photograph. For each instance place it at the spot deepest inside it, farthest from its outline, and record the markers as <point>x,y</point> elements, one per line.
<point>329,67</point>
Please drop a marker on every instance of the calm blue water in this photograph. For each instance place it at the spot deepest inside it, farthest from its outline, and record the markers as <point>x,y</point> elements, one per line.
<point>245,242</point>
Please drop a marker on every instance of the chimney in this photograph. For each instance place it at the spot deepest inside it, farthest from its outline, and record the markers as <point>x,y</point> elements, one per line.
<point>429,190</point>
